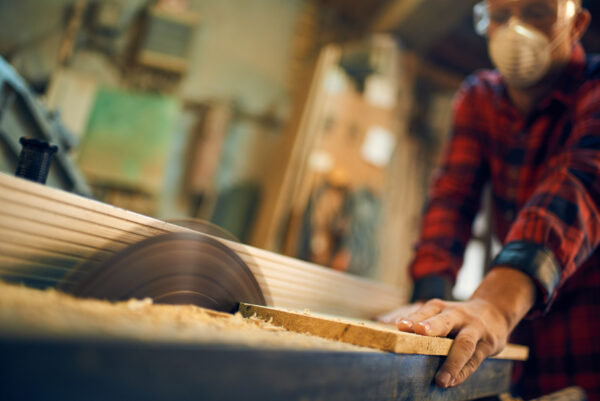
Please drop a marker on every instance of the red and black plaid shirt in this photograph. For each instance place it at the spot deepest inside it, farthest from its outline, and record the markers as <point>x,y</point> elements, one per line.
<point>544,172</point>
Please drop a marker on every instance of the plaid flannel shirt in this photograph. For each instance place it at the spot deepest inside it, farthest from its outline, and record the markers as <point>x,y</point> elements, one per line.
<point>544,171</point>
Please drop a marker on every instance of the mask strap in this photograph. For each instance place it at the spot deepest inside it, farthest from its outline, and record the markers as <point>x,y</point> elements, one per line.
<point>564,31</point>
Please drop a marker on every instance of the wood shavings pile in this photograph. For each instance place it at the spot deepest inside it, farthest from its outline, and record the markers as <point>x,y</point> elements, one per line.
<point>26,312</point>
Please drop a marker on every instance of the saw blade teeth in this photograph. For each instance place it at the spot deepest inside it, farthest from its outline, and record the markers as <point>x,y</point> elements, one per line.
<point>174,268</point>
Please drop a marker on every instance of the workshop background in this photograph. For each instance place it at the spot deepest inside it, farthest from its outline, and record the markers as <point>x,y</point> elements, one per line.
<point>305,127</point>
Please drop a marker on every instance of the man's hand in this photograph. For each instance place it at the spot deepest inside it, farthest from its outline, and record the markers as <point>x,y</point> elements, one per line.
<point>481,325</point>
<point>396,315</point>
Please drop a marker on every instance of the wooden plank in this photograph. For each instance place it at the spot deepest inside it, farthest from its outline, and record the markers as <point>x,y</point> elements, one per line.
<point>365,334</point>
<point>283,185</point>
<point>111,370</point>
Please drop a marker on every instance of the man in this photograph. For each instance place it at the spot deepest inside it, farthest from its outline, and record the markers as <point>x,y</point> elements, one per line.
<point>532,130</point>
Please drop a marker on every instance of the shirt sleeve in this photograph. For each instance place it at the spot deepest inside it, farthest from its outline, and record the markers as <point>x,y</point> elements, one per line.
<point>559,228</point>
<point>454,196</point>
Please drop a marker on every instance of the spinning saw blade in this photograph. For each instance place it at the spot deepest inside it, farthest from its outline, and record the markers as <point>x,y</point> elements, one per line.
<point>175,268</point>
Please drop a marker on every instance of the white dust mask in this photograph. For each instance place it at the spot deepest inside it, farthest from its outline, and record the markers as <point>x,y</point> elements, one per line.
<point>522,54</point>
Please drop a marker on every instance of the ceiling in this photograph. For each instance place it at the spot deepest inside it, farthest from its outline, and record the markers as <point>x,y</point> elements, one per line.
<point>439,30</point>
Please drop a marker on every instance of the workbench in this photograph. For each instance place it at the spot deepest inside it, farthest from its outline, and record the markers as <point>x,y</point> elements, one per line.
<point>36,369</point>
<point>57,347</point>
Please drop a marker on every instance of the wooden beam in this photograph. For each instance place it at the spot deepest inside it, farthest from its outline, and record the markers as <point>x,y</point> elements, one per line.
<point>393,14</point>
<point>365,334</point>
<point>419,23</point>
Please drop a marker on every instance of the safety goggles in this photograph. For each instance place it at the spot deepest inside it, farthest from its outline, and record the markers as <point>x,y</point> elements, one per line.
<point>541,14</point>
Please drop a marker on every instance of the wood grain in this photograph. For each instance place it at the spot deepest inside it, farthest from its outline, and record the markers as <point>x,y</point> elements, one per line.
<point>366,334</point>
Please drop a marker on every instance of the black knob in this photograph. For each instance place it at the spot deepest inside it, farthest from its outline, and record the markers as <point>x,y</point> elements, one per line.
<point>35,159</point>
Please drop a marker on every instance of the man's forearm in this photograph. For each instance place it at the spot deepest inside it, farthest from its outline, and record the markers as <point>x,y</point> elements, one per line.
<point>512,291</point>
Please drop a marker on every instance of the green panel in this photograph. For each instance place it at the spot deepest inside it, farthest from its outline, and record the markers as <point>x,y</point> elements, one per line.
<point>128,139</point>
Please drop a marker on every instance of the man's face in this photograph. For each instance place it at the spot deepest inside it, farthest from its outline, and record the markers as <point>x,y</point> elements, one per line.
<point>550,17</point>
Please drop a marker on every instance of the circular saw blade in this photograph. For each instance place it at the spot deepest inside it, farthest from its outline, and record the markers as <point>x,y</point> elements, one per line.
<point>204,227</point>
<point>175,268</point>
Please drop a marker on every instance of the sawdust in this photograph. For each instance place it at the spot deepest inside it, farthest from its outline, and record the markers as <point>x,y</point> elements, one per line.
<point>26,312</point>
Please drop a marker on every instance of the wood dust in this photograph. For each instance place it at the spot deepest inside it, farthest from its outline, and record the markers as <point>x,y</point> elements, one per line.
<point>27,312</point>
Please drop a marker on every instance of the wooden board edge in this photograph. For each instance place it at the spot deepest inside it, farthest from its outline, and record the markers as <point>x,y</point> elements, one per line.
<point>305,324</point>
<point>514,352</point>
<point>360,334</point>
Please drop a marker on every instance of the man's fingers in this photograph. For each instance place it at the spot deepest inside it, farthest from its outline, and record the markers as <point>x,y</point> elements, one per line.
<point>431,308</point>
<point>442,324</point>
<point>462,350</point>
<point>481,352</point>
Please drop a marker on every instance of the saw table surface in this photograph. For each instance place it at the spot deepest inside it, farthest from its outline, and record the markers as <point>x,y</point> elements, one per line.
<point>54,346</point>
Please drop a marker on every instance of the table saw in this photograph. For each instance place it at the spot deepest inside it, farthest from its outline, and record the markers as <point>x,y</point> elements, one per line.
<point>145,345</point>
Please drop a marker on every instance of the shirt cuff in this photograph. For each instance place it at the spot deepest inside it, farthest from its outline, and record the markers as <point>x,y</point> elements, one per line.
<point>536,261</point>
<point>434,286</point>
